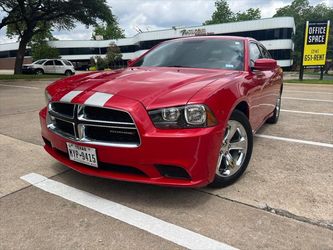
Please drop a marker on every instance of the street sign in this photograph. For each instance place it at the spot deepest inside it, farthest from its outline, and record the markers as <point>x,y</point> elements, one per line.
<point>315,43</point>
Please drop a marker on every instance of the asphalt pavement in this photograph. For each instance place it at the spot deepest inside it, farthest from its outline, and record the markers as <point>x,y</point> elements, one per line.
<point>283,201</point>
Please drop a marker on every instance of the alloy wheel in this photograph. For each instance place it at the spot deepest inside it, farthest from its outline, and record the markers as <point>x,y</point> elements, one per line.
<point>233,150</point>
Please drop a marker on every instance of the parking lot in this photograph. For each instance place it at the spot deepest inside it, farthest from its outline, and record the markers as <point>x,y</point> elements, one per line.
<point>284,200</point>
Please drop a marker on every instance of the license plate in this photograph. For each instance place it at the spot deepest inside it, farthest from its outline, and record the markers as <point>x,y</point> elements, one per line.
<point>82,154</point>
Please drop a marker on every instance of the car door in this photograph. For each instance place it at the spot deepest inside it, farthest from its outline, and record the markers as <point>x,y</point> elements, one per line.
<point>272,86</point>
<point>49,67</point>
<point>258,80</point>
<point>59,67</point>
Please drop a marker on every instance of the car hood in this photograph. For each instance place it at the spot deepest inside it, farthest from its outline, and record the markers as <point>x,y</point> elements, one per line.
<point>152,86</point>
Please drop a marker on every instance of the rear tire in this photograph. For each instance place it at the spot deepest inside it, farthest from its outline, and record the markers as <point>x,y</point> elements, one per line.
<point>235,152</point>
<point>276,113</point>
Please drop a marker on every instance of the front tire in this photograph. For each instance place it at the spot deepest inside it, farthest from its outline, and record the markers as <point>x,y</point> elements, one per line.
<point>39,72</point>
<point>68,73</point>
<point>235,152</point>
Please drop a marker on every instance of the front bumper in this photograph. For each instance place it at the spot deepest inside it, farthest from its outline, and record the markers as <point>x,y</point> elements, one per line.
<point>194,150</point>
<point>28,71</point>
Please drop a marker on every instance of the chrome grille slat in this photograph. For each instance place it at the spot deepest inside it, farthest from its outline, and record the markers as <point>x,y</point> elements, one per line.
<point>121,131</point>
<point>105,122</point>
<point>52,108</point>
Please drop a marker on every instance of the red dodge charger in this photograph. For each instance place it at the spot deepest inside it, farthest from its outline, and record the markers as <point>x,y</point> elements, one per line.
<point>183,114</point>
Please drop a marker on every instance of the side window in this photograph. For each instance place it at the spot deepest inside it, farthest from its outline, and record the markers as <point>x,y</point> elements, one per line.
<point>48,63</point>
<point>265,52</point>
<point>58,63</point>
<point>254,53</point>
<point>67,63</point>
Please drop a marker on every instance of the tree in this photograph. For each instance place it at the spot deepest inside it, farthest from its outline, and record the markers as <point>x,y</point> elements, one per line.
<point>250,14</point>
<point>223,14</point>
<point>108,31</point>
<point>113,54</point>
<point>302,11</point>
<point>29,18</point>
<point>101,63</point>
<point>43,50</point>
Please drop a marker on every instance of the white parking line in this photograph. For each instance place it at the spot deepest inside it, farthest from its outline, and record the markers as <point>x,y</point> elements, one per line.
<point>321,144</point>
<point>306,99</point>
<point>306,112</point>
<point>163,229</point>
<point>307,92</point>
<point>18,86</point>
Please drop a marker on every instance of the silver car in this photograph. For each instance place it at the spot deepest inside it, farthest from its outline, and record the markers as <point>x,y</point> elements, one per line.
<point>49,66</point>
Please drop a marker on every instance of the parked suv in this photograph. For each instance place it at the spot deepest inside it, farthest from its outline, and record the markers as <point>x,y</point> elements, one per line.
<point>49,66</point>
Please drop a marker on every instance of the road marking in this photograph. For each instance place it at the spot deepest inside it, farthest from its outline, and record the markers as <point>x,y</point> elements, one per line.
<point>153,225</point>
<point>305,112</point>
<point>307,92</point>
<point>321,144</point>
<point>306,99</point>
<point>18,86</point>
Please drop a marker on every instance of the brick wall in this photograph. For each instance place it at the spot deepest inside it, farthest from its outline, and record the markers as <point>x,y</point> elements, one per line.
<point>8,63</point>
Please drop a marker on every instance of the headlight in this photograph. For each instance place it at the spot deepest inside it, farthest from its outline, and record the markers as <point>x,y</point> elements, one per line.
<point>189,116</point>
<point>48,97</point>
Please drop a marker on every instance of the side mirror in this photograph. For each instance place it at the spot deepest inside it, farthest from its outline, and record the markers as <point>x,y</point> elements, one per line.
<point>265,64</point>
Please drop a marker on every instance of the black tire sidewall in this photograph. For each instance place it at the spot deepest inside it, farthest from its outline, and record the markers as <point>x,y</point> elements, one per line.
<point>275,117</point>
<point>220,181</point>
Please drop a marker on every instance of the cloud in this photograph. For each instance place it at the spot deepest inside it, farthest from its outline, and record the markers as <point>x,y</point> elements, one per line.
<point>149,14</point>
<point>162,14</point>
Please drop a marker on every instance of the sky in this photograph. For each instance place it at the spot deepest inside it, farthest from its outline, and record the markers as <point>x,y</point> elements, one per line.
<point>163,14</point>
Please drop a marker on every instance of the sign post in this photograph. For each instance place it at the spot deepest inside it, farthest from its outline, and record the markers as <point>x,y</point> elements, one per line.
<point>315,45</point>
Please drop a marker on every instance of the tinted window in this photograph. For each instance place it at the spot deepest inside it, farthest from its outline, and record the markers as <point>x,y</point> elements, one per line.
<point>281,54</point>
<point>67,63</point>
<point>78,51</point>
<point>261,35</point>
<point>59,63</point>
<point>197,53</point>
<point>264,52</point>
<point>39,61</point>
<point>48,63</point>
<point>254,53</point>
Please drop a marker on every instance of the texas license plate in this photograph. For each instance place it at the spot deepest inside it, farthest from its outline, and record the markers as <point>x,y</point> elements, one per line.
<point>82,154</point>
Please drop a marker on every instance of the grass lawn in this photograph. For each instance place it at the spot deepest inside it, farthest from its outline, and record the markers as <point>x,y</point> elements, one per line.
<point>28,77</point>
<point>316,74</point>
<point>310,81</point>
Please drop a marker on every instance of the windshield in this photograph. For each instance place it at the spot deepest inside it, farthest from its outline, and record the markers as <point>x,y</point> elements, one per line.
<point>197,53</point>
<point>39,62</point>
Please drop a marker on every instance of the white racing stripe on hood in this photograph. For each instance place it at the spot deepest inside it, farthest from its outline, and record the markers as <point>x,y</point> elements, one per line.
<point>70,96</point>
<point>98,99</point>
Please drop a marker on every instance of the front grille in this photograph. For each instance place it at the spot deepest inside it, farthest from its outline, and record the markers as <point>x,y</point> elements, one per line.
<point>111,134</point>
<point>64,109</point>
<point>110,115</point>
<point>94,125</point>
<point>64,126</point>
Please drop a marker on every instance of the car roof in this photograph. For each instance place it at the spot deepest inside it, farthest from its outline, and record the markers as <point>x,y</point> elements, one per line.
<point>52,59</point>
